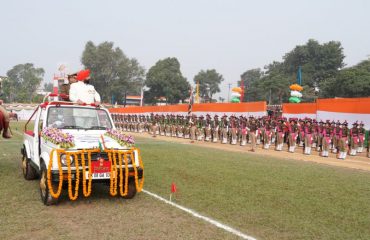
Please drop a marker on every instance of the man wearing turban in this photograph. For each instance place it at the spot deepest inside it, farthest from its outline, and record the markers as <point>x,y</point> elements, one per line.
<point>82,91</point>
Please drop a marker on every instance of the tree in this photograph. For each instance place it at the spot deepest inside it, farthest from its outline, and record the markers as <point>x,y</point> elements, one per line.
<point>48,87</point>
<point>164,79</point>
<point>22,82</point>
<point>209,82</point>
<point>113,73</point>
<point>350,82</point>
<point>250,79</point>
<point>318,61</point>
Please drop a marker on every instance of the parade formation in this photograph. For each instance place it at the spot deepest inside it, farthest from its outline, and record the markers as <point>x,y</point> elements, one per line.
<point>310,134</point>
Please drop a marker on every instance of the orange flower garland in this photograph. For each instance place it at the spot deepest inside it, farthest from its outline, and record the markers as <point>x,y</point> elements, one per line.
<point>123,193</point>
<point>112,155</point>
<point>70,193</point>
<point>113,179</point>
<point>88,192</point>
<point>50,165</point>
<point>139,187</point>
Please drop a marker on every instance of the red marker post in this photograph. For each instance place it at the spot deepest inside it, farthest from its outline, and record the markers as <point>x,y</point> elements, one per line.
<point>173,190</point>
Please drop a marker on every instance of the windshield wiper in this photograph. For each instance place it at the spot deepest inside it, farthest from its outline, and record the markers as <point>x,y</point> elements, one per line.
<point>70,127</point>
<point>96,128</point>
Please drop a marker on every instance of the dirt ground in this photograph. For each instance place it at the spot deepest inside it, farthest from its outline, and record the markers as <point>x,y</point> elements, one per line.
<point>360,162</point>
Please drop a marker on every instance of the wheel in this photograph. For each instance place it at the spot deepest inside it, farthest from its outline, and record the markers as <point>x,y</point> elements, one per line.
<point>131,189</point>
<point>46,198</point>
<point>29,172</point>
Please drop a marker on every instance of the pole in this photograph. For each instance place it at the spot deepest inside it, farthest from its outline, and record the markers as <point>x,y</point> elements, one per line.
<point>142,97</point>
<point>228,93</point>
<point>270,97</point>
<point>197,94</point>
<point>242,87</point>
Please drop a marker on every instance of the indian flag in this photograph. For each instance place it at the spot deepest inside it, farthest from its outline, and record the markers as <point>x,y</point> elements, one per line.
<point>101,143</point>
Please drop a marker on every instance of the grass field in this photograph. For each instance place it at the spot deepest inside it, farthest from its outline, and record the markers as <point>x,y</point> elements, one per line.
<point>267,198</point>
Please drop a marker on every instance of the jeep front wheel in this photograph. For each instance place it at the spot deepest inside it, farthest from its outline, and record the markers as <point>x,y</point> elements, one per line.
<point>46,197</point>
<point>29,172</point>
<point>131,190</point>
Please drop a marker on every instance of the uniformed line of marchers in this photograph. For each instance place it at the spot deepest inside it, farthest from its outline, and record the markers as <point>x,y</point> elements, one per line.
<point>324,137</point>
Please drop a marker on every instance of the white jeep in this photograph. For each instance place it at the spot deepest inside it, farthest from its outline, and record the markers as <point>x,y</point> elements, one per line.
<point>93,156</point>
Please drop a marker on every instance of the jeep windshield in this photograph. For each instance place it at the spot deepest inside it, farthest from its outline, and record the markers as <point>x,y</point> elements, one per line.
<point>78,118</point>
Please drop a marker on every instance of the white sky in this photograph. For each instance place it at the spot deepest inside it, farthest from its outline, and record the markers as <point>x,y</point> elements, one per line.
<point>230,36</point>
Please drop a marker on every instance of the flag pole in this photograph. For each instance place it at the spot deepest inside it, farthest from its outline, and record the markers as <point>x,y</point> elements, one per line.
<point>197,96</point>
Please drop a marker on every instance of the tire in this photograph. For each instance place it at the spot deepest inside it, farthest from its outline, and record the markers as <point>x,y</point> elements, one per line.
<point>29,173</point>
<point>46,198</point>
<point>131,189</point>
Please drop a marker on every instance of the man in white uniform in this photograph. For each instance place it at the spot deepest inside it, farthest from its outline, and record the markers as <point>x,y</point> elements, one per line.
<point>84,93</point>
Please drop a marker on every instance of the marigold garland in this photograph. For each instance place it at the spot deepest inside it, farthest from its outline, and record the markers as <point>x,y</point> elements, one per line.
<point>113,179</point>
<point>50,165</point>
<point>139,187</point>
<point>70,193</point>
<point>88,192</point>
<point>112,155</point>
<point>123,193</point>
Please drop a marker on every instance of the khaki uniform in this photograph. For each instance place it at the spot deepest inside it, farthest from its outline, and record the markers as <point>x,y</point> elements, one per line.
<point>252,135</point>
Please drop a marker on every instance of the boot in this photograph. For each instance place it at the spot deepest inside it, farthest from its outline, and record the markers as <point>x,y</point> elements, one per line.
<point>6,131</point>
<point>309,150</point>
<point>353,152</point>
<point>325,154</point>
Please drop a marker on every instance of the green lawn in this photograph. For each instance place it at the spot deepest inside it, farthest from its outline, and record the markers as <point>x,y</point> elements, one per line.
<point>265,198</point>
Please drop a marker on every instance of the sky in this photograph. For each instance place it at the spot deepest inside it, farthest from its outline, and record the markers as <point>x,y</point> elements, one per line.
<point>231,36</point>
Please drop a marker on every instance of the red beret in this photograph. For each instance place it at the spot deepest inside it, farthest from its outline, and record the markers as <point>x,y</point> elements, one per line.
<point>83,75</point>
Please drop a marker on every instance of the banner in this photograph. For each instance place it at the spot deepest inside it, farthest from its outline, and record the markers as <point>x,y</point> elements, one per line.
<point>333,109</point>
<point>345,109</point>
<point>256,109</point>
<point>299,110</point>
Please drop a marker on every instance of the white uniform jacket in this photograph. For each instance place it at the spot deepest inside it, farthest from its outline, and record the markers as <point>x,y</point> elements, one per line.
<point>85,92</point>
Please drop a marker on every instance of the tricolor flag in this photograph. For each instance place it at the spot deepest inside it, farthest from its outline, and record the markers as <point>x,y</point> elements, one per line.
<point>101,143</point>
<point>191,101</point>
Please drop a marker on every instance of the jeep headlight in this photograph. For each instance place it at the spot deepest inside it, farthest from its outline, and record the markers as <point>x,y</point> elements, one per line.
<point>63,159</point>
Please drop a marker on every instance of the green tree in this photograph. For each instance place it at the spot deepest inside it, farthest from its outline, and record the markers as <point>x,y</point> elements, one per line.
<point>165,79</point>
<point>318,61</point>
<point>113,73</point>
<point>48,87</point>
<point>22,82</point>
<point>350,82</point>
<point>250,81</point>
<point>209,82</point>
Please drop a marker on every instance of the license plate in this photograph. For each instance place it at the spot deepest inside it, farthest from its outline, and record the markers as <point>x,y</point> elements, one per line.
<point>105,175</point>
<point>100,169</point>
